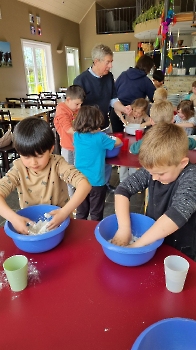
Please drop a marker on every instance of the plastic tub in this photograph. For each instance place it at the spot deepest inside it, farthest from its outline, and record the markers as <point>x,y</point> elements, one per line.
<point>106,230</point>
<point>172,333</point>
<point>39,243</point>
<point>131,128</point>
<point>114,152</point>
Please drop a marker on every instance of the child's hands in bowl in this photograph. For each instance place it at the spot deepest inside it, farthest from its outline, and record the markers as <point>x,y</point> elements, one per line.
<point>58,218</point>
<point>122,237</point>
<point>21,224</point>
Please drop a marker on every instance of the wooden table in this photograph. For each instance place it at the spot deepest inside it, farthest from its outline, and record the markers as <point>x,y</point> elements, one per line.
<point>77,298</point>
<point>21,113</point>
<point>125,158</point>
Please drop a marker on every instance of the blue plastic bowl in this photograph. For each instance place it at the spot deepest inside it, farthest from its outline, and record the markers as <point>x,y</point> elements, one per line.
<point>172,333</point>
<point>114,152</point>
<point>38,243</point>
<point>106,230</point>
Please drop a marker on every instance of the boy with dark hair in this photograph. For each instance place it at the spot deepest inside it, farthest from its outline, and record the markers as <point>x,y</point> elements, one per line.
<point>170,178</point>
<point>40,176</point>
<point>63,121</point>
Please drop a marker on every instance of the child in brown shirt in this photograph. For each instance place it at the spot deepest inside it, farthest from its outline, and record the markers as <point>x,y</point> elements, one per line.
<point>40,176</point>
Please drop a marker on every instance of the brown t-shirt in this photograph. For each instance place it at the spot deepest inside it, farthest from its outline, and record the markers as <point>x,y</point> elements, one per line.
<point>46,187</point>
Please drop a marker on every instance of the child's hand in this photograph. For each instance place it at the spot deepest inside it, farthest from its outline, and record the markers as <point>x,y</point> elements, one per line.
<point>58,218</point>
<point>21,224</point>
<point>122,237</point>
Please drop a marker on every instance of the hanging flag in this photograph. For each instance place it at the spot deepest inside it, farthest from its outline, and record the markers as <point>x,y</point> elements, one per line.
<point>171,38</point>
<point>170,54</point>
<point>159,32</point>
<point>174,19</point>
<point>170,68</point>
<point>154,53</point>
<point>157,43</point>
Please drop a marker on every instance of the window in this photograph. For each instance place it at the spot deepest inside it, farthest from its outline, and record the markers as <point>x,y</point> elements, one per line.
<point>38,66</point>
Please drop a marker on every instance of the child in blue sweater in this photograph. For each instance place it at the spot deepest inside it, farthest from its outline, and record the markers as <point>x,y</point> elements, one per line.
<point>90,151</point>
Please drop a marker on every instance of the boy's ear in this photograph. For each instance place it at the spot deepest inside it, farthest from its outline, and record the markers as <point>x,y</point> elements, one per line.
<point>152,121</point>
<point>184,162</point>
<point>52,149</point>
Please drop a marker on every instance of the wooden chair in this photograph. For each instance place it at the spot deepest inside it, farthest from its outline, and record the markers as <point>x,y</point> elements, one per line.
<point>34,96</point>
<point>31,102</point>
<point>13,102</point>
<point>7,153</point>
<point>50,120</point>
<point>48,102</point>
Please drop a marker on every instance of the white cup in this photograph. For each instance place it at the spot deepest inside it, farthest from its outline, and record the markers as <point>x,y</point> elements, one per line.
<point>176,269</point>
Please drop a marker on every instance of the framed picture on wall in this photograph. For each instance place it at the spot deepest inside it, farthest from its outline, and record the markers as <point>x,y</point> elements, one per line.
<point>31,18</point>
<point>32,30</point>
<point>5,54</point>
<point>38,21</point>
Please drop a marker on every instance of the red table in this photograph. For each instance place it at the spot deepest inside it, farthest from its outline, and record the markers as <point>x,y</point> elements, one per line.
<point>125,158</point>
<point>78,299</point>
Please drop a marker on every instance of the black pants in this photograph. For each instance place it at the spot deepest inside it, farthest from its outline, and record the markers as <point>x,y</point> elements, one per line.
<point>117,125</point>
<point>93,203</point>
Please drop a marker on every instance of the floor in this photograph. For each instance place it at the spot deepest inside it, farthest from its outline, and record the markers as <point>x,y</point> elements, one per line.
<point>136,202</point>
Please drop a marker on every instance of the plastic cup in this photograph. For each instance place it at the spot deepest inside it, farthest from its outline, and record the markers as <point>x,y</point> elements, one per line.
<point>125,144</point>
<point>176,269</point>
<point>138,134</point>
<point>15,268</point>
<point>119,135</point>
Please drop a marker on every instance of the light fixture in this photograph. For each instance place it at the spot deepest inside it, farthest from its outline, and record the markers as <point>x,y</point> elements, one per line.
<point>59,51</point>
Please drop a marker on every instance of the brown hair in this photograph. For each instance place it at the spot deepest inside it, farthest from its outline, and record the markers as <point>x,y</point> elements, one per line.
<point>162,111</point>
<point>145,63</point>
<point>160,94</point>
<point>194,84</point>
<point>74,92</point>
<point>163,145</point>
<point>140,103</point>
<point>187,108</point>
<point>89,118</point>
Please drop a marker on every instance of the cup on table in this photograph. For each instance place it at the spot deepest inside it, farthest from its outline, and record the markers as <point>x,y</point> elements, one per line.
<point>138,134</point>
<point>176,269</point>
<point>22,106</point>
<point>119,135</point>
<point>15,268</point>
<point>125,144</point>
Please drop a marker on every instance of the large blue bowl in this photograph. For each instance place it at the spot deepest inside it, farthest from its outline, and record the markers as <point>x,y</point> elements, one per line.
<point>171,334</point>
<point>106,230</point>
<point>114,152</point>
<point>39,243</point>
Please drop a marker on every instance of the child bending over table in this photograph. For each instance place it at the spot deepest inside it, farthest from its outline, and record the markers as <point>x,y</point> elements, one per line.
<point>170,178</point>
<point>40,176</point>
<point>90,151</point>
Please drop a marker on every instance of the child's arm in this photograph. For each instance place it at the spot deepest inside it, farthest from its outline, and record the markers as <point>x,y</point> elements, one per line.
<point>186,125</point>
<point>123,234</point>
<point>59,215</point>
<point>148,123</point>
<point>163,227</point>
<point>19,222</point>
<point>119,114</point>
<point>118,142</point>
<point>70,131</point>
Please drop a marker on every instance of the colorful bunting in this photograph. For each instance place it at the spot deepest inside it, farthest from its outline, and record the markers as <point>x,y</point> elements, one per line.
<point>170,54</point>
<point>169,69</point>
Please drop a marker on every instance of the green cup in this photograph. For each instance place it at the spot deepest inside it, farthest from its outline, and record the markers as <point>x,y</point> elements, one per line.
<point>15,268</point>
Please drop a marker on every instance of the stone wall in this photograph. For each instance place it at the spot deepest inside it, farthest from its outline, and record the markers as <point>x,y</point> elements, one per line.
<point>179,84</point>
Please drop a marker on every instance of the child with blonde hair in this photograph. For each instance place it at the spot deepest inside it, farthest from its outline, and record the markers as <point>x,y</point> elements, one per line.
<point>161,111</point>
<point>138,116</point>
<point>185,116</point>
<point>170,180</point>
<point>160,94</point>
